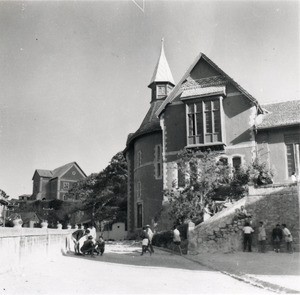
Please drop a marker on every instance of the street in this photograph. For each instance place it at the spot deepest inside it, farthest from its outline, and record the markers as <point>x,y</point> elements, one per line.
<point>122,270</point>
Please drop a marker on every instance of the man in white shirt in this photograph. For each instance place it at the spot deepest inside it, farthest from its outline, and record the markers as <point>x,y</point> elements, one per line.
<point>176,238</point>
<point>288,238</point>
<point>248,230</point>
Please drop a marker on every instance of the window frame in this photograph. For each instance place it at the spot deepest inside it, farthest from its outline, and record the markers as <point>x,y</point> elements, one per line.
<point>202,100</point>
<point>158,161</point>
<point>139,159</point>
<point>139,215</point>
<point>66,185</point>
<point>138,191</point>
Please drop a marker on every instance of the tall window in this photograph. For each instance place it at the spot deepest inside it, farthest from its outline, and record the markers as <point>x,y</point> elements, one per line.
<point>292,152</point>
<point>181,176</point>
<point>236,162</point>
<point>292,142</point>
<point>158,161</point>
<point>138,190</point>
<point>204,122</point>
<point>139,216</point>
<point>139,159</point>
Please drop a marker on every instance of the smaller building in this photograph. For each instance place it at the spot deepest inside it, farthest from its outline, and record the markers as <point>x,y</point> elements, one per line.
<point>24,197</point>
<point>54,184</point>
<point>115,231</point>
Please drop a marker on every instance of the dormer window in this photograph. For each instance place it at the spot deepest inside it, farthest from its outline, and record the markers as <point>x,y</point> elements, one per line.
<point>204,121</point>
<point>161,90</point>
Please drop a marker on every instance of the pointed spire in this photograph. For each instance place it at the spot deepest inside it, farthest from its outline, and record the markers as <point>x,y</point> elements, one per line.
<point>162,72</point>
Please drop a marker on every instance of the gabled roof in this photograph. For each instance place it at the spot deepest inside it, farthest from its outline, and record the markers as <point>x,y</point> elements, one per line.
<point>58,172</point>
<point>162,72</point>
<point>44,173</point>
<point>280,114</point>
<point>178,89</point>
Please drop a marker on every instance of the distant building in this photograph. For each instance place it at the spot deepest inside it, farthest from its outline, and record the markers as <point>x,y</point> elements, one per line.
<point>24,197</point>
<point>206,109</point>
<point>54,184</point>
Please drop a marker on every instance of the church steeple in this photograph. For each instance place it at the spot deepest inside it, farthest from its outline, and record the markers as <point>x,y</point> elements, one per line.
<point>162,81</point>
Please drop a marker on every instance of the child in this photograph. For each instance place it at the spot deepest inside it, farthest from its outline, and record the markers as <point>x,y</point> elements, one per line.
<point>145,243</point>
<point>100,246</point>
<point>88,247</point>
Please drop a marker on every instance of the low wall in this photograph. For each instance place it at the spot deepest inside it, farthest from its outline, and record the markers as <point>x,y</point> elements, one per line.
<point>271,204</point>
<point>21,246</point>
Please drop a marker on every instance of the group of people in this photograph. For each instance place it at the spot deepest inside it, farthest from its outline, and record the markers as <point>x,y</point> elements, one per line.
<point>278,234</point>
<point>85,242</point>
<point>147,235</point>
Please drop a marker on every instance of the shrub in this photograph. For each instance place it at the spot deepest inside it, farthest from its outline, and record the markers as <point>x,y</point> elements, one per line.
<point>162,239</point>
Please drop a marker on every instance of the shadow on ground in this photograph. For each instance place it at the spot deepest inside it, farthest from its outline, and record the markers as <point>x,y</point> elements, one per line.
<point>131,255</point>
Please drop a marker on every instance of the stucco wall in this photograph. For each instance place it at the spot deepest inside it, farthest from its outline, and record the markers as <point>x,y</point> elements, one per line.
<point>20,246</point>
<point>117,232</point>
<point>272,149</point>
<point>222,234</point>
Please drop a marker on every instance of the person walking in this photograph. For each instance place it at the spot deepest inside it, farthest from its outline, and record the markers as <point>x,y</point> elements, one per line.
<point>288,238</point>
<point>145,242</point>
<point>150,237</point>
<point>177,239</point>
<point>277,237</point>
<point>248,230</point>
<point>262,237</point>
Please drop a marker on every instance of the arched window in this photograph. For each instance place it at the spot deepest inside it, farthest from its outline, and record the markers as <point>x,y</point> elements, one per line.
<point>223,160</point>
<point>236,162</point>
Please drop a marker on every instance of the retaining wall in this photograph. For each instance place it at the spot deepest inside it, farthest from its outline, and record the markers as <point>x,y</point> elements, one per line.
<point>271,204</point>
<point>21,246</point>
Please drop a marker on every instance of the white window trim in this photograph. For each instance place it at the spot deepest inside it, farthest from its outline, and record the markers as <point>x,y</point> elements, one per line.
<point>222,120</point>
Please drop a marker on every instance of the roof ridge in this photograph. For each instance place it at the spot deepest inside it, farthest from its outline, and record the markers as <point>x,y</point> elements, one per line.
<point>276,102</point>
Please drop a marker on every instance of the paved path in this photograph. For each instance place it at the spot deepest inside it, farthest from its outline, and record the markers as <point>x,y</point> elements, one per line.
<point>276,271</point>
<point>122,270</point>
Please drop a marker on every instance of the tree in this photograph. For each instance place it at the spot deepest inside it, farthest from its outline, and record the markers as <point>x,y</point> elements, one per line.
<point>104,195</point>
<point>3,194</point>
<point>209,179</point>
<point>203,175</point>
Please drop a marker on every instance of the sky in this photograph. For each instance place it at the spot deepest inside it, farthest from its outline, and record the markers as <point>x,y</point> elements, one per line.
<point>74,74</point>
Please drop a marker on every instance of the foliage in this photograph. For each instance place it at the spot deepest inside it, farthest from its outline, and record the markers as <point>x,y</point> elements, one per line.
<point>162,239</point>
<point>104,194</point>
<point>260,174</point>
<point>3,194</point>
<point>204,174</point>
<point>209,179</point>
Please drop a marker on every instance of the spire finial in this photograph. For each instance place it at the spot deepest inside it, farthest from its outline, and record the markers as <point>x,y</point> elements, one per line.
<point>162,72</point>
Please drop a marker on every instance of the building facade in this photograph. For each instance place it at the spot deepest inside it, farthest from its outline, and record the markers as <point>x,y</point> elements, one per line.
<point>54,184</point>
<point>206,109</point>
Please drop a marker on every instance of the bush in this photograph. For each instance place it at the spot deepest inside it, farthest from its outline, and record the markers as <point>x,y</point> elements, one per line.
<point>162,239</point>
